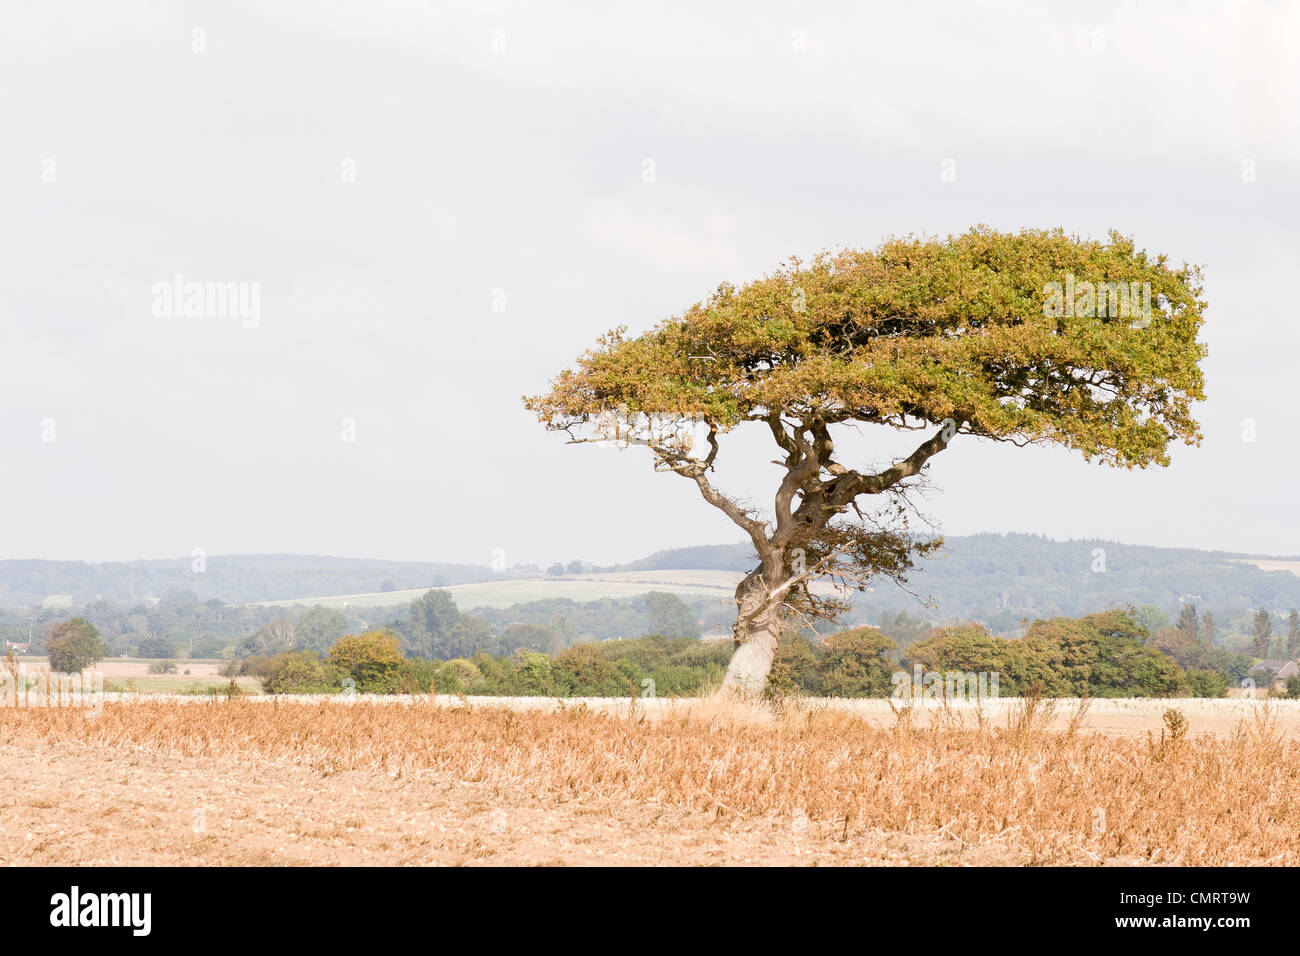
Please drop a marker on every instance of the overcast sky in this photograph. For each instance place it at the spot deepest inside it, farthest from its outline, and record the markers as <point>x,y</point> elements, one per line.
<point>441,205</point>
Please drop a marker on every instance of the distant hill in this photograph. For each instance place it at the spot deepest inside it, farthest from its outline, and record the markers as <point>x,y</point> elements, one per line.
<point>1001,579</point>
<point>997,579</point>
<point>229,578</point>
<point>711,557</point>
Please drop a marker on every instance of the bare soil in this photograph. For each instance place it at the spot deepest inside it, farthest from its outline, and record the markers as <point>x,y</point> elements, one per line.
<point>80,805</point>
<point>420,781</point>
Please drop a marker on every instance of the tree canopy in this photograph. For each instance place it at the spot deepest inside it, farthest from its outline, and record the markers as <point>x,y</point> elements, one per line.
<point>921,330</point>
<point>1099,655</point>
<point>74,645</point>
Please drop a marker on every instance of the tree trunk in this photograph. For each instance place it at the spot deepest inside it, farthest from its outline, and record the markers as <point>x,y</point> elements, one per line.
<point>752,660</point>
<point>756,636</point>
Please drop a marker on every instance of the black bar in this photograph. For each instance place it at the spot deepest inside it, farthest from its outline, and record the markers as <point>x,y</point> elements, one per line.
<point>332,905</point>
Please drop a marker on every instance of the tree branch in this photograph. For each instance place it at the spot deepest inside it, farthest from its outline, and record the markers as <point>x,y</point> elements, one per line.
<point>843,489</point>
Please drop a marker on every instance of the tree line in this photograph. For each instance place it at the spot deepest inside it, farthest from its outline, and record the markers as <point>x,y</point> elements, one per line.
<point>1099,655</point>
<point>430,626</point>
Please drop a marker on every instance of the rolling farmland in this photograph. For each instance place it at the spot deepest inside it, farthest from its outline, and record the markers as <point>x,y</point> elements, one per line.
<point>579,587</point>
<point>1272,564</point>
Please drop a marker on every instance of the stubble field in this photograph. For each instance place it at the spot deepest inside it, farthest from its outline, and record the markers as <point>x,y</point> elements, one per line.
<point>435,781</point>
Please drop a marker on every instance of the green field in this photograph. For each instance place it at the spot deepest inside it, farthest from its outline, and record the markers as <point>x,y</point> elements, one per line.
<point>582,587</point>
<point>174,684</point>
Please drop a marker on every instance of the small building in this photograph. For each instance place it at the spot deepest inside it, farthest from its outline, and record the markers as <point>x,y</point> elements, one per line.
<point>1273,674</point>
<point>18,647</point>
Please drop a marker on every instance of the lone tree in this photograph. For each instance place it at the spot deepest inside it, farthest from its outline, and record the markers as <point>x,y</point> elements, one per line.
<point>73,645</point>
<point>1036,337</point>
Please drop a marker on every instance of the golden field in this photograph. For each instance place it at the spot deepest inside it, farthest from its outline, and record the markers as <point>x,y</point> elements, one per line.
<point>427,781</point>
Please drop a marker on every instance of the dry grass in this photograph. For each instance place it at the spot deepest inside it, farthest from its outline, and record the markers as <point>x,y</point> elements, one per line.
<point>1016,783</point>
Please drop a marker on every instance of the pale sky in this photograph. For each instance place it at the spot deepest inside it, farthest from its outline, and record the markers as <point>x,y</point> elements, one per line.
<point>441,205</point>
